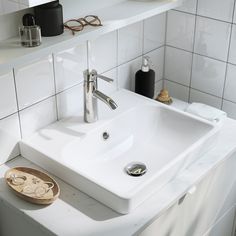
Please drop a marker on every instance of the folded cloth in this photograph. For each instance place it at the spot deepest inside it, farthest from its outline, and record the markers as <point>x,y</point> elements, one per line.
<point>206,112</point>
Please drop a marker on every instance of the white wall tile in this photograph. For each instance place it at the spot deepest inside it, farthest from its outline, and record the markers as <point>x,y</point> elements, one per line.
<point>8,103</point>
<point>180,30</point>
<point>218,9</point>
<point>197,96</point>
<point>208,75</point>
<point>130,40</point>
<point>230,84</point>
<point>9,137</point>
<point>103,52</point>
<point>176,90</point>
<point>212,38</point>
<point>126,74</point>
<point>189,6</point>
<point>178,65</point>
<point>154,32</point>
<point>229,108</point>
<point>157,62</point>
<point>34,82</point>
<point>38,116</point>
<point>232,52</point>
<point>69,66</point>
<point>70,102</point>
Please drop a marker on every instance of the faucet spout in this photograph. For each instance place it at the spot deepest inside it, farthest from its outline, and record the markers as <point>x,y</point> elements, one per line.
<point>91,95</point>
<point>104,98</point>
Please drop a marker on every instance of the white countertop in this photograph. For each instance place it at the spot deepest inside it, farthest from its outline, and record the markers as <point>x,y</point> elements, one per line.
<point>75,213</point>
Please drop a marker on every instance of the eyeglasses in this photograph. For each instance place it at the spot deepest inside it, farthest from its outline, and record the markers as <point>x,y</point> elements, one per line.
<point>76,25</point>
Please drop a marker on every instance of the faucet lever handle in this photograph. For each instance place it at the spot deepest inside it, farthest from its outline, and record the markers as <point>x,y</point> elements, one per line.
<point>109,80</point>
<point>95,75</point>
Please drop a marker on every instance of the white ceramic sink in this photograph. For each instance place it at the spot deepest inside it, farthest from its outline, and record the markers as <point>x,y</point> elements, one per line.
<point>140,130</point>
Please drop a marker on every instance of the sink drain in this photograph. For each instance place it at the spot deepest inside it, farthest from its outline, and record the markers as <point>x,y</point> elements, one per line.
<point>136,169</point>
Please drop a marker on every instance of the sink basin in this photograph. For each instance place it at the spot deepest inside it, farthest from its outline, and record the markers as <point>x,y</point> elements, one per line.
<point>94,157</point>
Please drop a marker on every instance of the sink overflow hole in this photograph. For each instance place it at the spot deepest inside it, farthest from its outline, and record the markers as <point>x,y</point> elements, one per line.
<point>105,136</point>
<point>136,169</point>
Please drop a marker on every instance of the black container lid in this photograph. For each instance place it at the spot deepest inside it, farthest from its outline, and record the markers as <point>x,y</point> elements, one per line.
<point>28,20</point>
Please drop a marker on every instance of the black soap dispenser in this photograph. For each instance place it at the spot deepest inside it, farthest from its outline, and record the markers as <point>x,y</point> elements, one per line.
<point>145,80</point>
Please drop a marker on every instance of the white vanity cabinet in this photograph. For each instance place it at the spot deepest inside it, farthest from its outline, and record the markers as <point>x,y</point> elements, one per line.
<point>207,211</point>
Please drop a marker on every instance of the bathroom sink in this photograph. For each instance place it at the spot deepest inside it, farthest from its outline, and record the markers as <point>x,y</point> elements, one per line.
<point>127,155</point>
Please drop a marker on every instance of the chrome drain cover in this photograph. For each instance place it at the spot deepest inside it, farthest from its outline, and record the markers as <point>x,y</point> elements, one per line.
<point>136,169</point>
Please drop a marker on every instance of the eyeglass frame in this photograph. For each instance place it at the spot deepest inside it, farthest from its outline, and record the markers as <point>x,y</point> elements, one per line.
<point>83,22</point>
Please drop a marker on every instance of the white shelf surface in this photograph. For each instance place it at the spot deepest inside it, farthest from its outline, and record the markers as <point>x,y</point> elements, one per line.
<point>113,18</point>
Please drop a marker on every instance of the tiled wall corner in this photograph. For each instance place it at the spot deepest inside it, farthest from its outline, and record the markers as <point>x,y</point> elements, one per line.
<point>200,58</point>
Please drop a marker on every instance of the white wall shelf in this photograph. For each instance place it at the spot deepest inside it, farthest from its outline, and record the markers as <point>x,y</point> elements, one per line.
<point>113,18</point>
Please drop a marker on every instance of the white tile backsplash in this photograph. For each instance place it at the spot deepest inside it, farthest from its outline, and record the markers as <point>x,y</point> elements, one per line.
<point>217,9</point>
<point>38,116</point>
<point>214,50</point>
<point>189,6</point>
<point>229,108</point>
<point>197,96</point>
<point>177,90</point>
<point>230,84</point>
<point>232,51</point>
<point>8,103</point>
<point>178,65</point>
<point>34,81</point>
<point>69,66</point>
<point>126,73</point>
<point>212,38</point>
<point>154,32</point>
<point>180,30</point>
<point>130,42</point>
<point>70,102</point>
<point>208,75</point>
<point>9,138</point>
<point>103,52</point>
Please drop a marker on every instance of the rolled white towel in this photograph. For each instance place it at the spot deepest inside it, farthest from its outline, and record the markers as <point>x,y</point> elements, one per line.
<point>206,112</point>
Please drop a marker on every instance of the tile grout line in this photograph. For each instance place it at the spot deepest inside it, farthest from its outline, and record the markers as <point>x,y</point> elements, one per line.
<point>193,47</point>
<point>198,54</point>
<point>228,54</point>
<point>209,94</point>
<point>17,103</point>
<point>207,17</point>
<point>117,59</point>
<point>143,25</point>
<point>55,86</point>
<point>197,90</point>
<point>164,66</point>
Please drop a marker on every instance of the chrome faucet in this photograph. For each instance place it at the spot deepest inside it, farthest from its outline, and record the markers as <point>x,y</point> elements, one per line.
<point>91,94</point>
